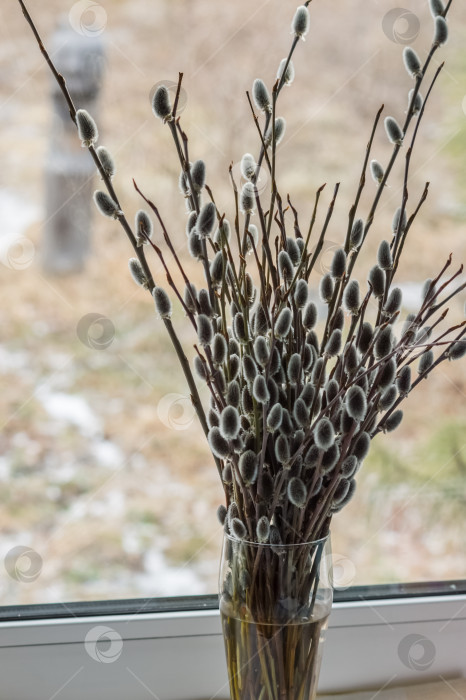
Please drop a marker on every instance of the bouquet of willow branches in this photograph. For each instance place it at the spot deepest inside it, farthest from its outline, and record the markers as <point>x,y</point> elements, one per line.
<point>292,412</point>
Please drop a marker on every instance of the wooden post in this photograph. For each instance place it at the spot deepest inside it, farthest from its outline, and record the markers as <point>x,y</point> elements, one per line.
<point>69,170</point>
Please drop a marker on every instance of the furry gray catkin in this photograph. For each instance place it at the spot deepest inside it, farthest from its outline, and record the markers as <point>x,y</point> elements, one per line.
<point>333,346</point>
<point>247,199</point>
<point>412,62</point>
<point>331,389</point>
<point>289,72</point>
<point>229,423</point>
<point>388,398</point>
<point>216,269</point>
<point>341,491</point>
<point>338,266</point>
<point>260,390</point>
<point>221,514</point>
<point>376,279</point>
<point>393,421</point>
<point>283,323</point>
<point>297,492</point>
<point>362,446</point>
<point>239,328</point>
<point>418,101</point>
<point>191,222</point>
<point>377,172</point>
<point>106,161</point>
<point>205,331</point>
<point>356,404</point>
<point>285,266</point>
<point>403,381</point>
<point>394,301</point>
<point>261,96</point>
<point>351,298</point>
<point>143,227</point>
<point>384,256</point>
<point>357,233</point>
<point>162,301</point>
<point>198,173</point>
<point>161,103</point>
<point>393,131</point>
<point>217,443</point>
<point>293,251</point>
<point>294,368</point>
<point>387,374</point>
<point>301,294</point>
<point>106,205</point>
<point>326,288</point>
<point>457,350</point>
<point>248,464</point>
<point>238,529</point>
<point>206,220</point>
<point>301,413</point>
<point>324,434</point>
<point>261,350</point>
<point>280,126</point>
<point>219,349</point>
<point>87,128</point>
<point>301,22</point>
<point>440,31</point>
<point>223,234</point>
<point>190,297</point>
<point>263,529</point>
<point>233,396</point>
<point>249,368</point>
<point>399,220</point>
<point>310,316</point>
<point>384,343</point>
<point>274,418</point>
<point>349,467</point>
<point>365,337</point>
<point>204,303</point>
<point>248,166</point>
<point>436,7</point>
<point>213,419</point>
<point>307,394</point>
<point>201,369</point>
<point>318,373</point>
<point>425,361</point>
<point>137,272</point>
<point>282,450</point>
<point>195,244</point>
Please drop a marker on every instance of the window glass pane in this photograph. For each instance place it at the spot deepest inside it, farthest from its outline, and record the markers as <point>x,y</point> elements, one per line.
<point>107,486</point>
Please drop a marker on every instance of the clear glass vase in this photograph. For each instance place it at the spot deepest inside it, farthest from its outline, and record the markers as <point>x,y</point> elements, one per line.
<point>275,601</point>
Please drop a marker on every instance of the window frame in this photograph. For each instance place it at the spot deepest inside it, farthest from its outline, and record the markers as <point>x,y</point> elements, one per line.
<point>178,654</point>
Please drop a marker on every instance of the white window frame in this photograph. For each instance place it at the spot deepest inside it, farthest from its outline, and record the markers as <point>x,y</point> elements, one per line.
<point>179,655</point>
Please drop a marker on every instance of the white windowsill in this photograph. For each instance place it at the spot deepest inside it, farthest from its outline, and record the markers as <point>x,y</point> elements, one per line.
<point>178,656</point>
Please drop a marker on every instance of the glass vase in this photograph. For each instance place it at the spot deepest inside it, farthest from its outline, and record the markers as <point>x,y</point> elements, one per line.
<point>275,601</point>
